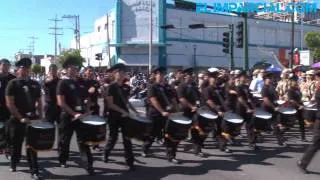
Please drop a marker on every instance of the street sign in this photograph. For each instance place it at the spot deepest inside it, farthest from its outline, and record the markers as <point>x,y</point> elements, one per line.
<point>305,58</point>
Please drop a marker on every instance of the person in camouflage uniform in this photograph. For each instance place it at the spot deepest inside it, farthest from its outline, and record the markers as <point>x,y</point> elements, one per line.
<point>283,85</point>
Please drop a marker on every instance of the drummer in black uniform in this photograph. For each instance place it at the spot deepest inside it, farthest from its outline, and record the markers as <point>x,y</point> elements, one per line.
<point>92,86</point>
<point>23,99</point>
<point>159,108</point>
<point>245,108</point>
<point>71,98</point>
<point>315,146</point>
<point>294,97</point>
<point>5,77</point>
<point>118,114</point>
<point>188,97</point>
<point>52,110</point>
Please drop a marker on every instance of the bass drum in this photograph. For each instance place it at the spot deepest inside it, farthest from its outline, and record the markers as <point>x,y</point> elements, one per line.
<point>138,127</point>
<point>262,119</point>
<point>40,135</point>
<point>309,111</point>
<point>178,126</point>
<point>287,116</point>
<point>232,123</point>
<point>93,130</point>
<point>206,119</point>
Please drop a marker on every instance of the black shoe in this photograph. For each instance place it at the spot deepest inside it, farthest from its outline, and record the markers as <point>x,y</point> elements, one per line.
<point>302,168</point>
<point>131,168</point>
<point>90,171</point>
<point>63,165</point>
<point>283,144</point>
<point>174,161</point>
<point>226,150</point>
<point>12,169</point>
<point>105,159</point>
<point>304,140</point>
<point>36,176</point>
<point>254,147</point>
<point>97,148</point>
<point>146,155</point>
<point>200,154</point>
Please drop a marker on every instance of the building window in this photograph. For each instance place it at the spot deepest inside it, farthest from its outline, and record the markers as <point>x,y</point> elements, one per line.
<point>105,26</point>
<point>99,28</point>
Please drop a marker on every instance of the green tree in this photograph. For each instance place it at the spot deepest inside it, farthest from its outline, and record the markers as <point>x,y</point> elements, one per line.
<point>36,69</point>
<point>313,42</point>
<point>71,54</point>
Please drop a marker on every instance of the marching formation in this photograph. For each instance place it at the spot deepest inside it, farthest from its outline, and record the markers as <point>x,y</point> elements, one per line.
<point>179,107</point>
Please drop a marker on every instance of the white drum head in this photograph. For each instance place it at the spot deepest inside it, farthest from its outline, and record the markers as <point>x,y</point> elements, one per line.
<point>310,107</point>
<point>280,102</point>
<point>286,110</point>
<point>93,120</point>
<point>41,124</point>
<point>262,114</point>
<point>257,95</point>
<point>180,119</point>
<point>233,118</point>
<point>206,113</point>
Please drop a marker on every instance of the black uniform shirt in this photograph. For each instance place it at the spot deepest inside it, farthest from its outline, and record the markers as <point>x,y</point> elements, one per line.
<point>74,95</point>
<point>189,92</point>
<point>157,91</point>
<point>295,94</point>
<point>4,80</point>
<point>231,99</point>
<point>50,89</point>
<point>212,93</point>
<point>93,83</point>
<point>25,93</point>
<point>269,92</point>
<point>119,98</point>
<point>317,96</point>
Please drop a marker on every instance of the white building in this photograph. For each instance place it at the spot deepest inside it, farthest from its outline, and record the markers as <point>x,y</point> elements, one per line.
<point>129,36</point>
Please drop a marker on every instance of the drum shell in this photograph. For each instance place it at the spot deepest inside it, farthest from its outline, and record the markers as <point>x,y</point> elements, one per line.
<point>207,125</point>
<point>93,134</point>
<point>287,119</point>
<point>309,114</point>
<point>40,139</point>
<point>231,128</point>
<point>176,130</point>
<point>261,124</point>
<point>137,129</point>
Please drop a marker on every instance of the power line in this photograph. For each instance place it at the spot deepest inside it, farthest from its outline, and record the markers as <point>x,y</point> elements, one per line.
<point>32,46</point>
<point>56,34</point>
<point>76,29</point>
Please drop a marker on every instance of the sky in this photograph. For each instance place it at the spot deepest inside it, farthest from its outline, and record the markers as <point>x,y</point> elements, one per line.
<point>21,19</point>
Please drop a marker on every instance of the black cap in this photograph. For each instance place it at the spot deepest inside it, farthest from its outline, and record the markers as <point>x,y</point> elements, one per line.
<point>161,70</point>
<point>4,61</point>
<point>71,61</point>
<point>53,66</point>
<point>188,71</point>
<point>214,74</point>
<point>267,75</point>
<point>118,66</point>
<point>242,73</point>
<point>24,62</point>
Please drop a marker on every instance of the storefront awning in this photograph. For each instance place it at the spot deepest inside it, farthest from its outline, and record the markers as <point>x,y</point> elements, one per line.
<point>138,44</point>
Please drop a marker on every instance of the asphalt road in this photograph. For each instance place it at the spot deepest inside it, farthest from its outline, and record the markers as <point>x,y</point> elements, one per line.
<point>272,162</point>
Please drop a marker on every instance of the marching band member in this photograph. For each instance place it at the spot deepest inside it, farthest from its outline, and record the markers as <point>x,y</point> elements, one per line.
<point>294,97</point>
<point>23,99</point>
<point>5,77</point>
<point>314,147</point>
<point>71,98</point>
<point>188,97</point>
<point>283,84</point>
<point>52,110</point>
<point>118,113</point>
<point>245,108</point>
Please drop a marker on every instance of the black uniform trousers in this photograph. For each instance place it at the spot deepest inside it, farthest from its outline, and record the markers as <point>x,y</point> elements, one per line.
<point>158,123</point>
<point>4,133</point>
<point>52,113</point>
<point>196,137</point>
<point>17,131</point>
<point>249,124</point>
<point>66,129</point>
<point>314,147</point>
<point>171,148</point>
<point>116,122</point>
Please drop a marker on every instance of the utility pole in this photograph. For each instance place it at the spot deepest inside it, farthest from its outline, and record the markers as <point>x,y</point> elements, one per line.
<point>150,43</point>
<point>55,34</point>
<point>32,45</point>
<point>108,40</point>
<point>76,29</point>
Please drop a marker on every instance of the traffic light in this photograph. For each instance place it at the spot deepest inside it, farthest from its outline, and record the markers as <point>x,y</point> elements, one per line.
<point>226,42</point>
<point>239,43</point>
<point>99,56</point>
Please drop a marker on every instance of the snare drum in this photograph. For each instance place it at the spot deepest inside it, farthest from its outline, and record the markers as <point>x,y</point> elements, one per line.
<point>309,111</point>
<point>261,118</point>
<point>232,123</point>
<point>137,102</point>
<point>93,129</point>
<point>206,119</point>
<point>40,135</point>
<point>138,127</point>
<point>178,126</point>
<point>287,116</point>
